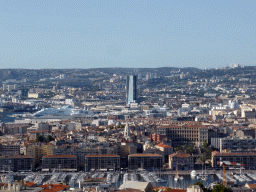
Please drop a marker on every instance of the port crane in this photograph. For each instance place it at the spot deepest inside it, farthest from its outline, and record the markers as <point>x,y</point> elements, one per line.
<point>228,163</point>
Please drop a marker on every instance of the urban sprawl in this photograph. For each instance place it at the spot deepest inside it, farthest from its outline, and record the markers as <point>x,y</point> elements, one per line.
<point>128,129</point>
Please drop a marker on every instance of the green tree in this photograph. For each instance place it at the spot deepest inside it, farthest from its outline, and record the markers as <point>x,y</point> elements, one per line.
<point>202,186</point>
<point>49,138</point>
<point>205,144</point>
<point>199,183</point>
<point>178,148</point>
<point>189,149</point>
<point>39,138</point>
<point>220,188</point>
<point>122,126</point>
<point>202,159</point>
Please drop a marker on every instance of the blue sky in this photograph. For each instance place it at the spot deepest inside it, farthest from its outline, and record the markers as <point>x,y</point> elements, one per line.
<point>127,33</point>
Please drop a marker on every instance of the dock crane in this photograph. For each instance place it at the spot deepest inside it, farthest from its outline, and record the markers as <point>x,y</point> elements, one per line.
<point>223,164</point>
<point>228,163</point>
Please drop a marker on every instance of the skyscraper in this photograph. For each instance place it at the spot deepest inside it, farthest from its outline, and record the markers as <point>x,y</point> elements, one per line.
<point>131,89</point>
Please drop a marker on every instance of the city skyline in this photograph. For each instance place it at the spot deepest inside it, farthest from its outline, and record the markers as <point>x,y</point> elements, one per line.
<point>96,34</point>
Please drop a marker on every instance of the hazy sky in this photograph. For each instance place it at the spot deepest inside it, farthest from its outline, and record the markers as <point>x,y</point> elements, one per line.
<point>126,33</point>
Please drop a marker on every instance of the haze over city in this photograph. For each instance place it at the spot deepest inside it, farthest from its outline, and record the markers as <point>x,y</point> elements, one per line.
<point>89,34</point>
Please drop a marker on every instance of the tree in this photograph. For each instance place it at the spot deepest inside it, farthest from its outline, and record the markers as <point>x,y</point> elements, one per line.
<point>199,183</point>
<point>220,188</point>
<point>189,149</point>
<point>205,144</point>
<point>49,138</point>
<point>178,148</point>
<point>39,138</point>
<point>202,186</point>
<point>202,159</point>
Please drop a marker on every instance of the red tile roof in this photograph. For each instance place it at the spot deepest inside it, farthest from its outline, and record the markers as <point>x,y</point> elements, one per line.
<point>163,145</point>
<point>145,155</point>
<point>216,153</point>
<point>180,155</point>
<point>29,184</point>
<point>58,156</point>
<point>105,155</point>
<point>53,187</point>
<point>252,186</point>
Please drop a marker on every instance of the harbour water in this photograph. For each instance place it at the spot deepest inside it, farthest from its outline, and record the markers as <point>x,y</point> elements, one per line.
<point>8,116</point>
<point>117,178</point>
<point>188,180</point>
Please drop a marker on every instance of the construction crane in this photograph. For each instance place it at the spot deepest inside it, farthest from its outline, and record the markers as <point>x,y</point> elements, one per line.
<point>223,164</point>
<point>228,163</point>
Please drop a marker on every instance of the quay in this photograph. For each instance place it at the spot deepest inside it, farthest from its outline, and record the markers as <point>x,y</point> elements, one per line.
<point>209,172</point>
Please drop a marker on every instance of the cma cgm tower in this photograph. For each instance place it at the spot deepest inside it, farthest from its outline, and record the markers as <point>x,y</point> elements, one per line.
<point>131,89</point>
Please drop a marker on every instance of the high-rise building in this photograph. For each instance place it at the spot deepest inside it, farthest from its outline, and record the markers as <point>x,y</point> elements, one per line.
<point>131,89</point>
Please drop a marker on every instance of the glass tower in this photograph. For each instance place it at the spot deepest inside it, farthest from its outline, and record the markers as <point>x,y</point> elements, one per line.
<point>131,89</point>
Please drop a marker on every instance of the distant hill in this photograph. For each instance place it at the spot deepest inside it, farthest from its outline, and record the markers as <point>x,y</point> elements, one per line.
<point>36,74</point>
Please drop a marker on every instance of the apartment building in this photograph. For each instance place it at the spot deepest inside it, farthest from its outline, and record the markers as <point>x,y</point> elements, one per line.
<point>145,161</point>
<point>38,151</point>
<point>102,162</point>
<point>181,134</point>
<point>16,163</point>
<point>181,161</point>
<point>235,143</point>
<point>7,149</point>
<point>59,162</point>
<point>124,149</point>
<point>166,149</point>
<point>81,152</point>
<point>246,159</point>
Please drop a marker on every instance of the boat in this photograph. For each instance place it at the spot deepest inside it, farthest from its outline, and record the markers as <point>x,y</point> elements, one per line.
<point>230,179</point>
<point>176,178</point>
<point>245,177</point>
<point>204,177</point>
<point>219,176</point>
<point>193,174</point>
<point>251,176</point>
<point>126,177</point>
<point>237,177</point>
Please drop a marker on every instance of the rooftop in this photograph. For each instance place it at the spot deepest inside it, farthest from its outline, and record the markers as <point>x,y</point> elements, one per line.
<point>105,155</point>
<point>53,187</point>
<point>145,155</point>
<point>180,155</point>
<point>58,156</point>
<point>16,156</point>
<point>216,153</point>
<point>163,145</point>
